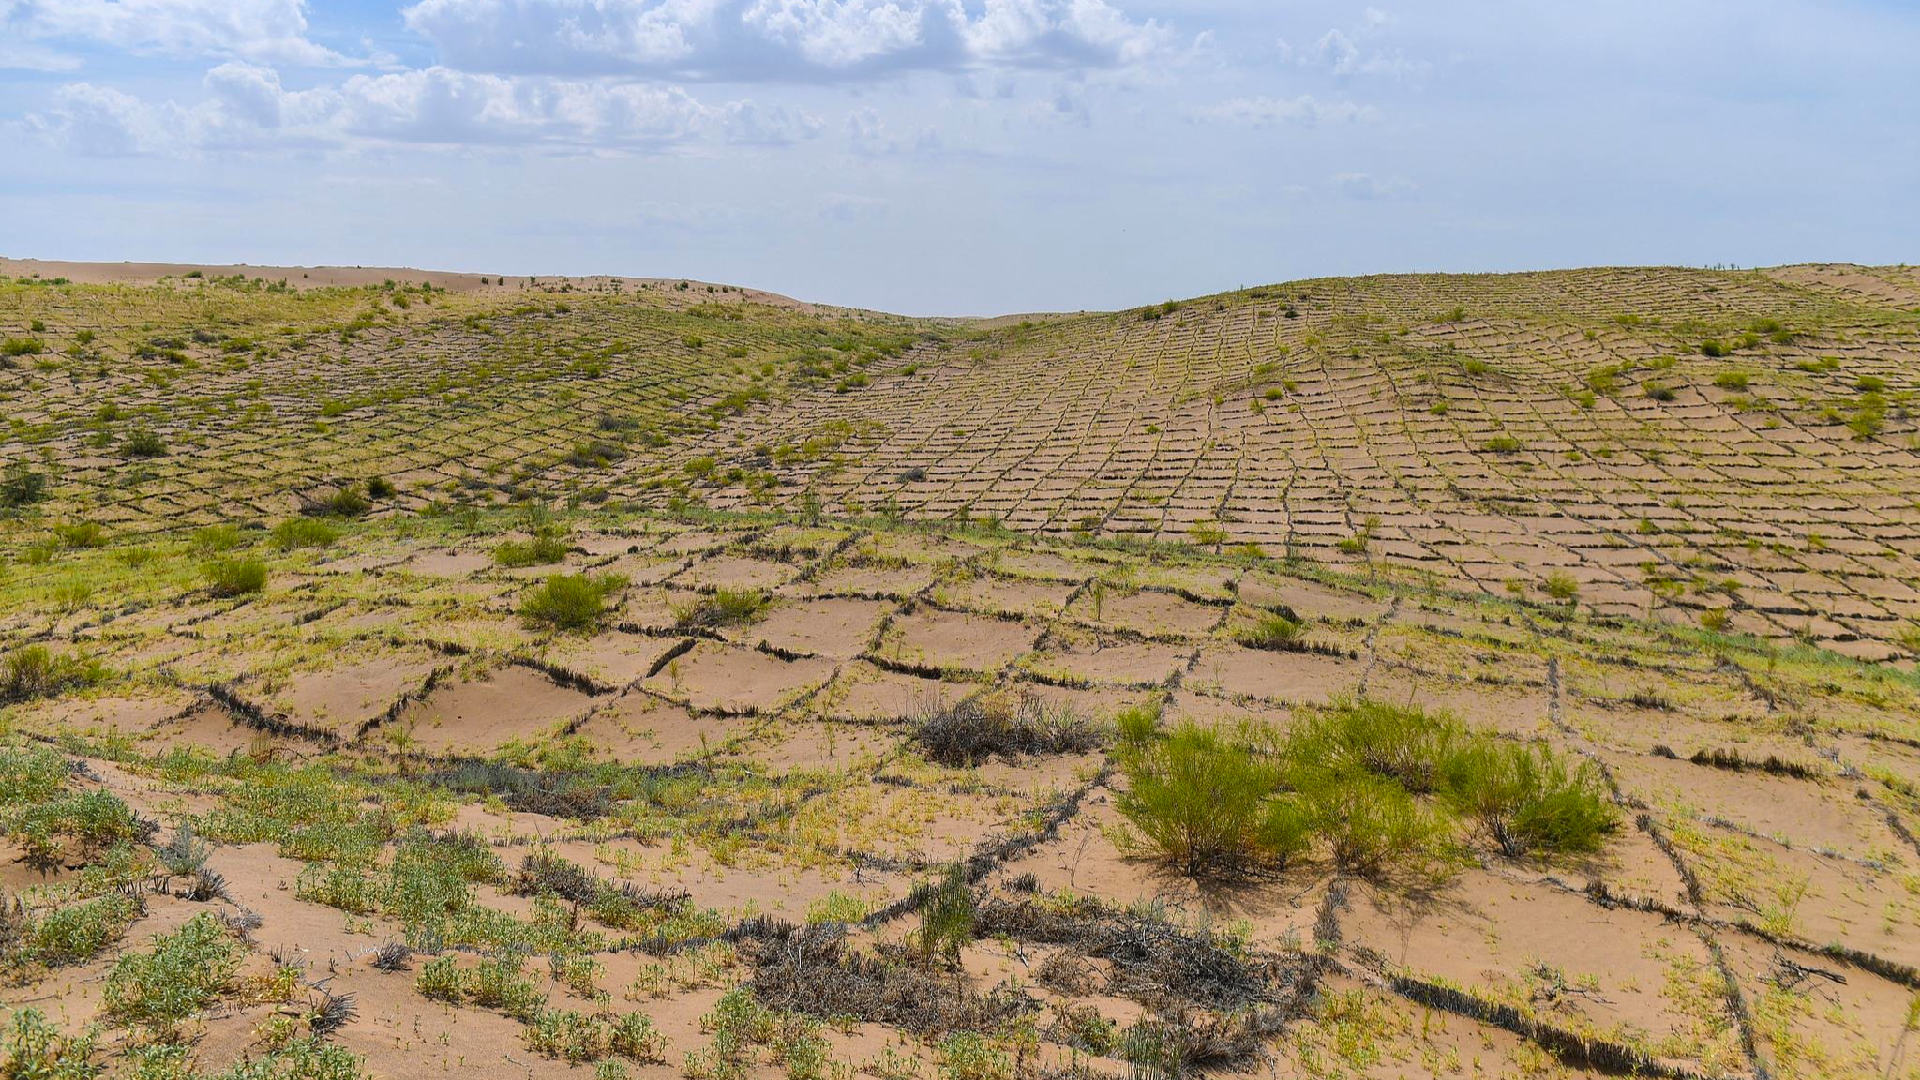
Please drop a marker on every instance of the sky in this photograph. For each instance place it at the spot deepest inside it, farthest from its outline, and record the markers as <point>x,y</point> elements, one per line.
<point>961,156</point>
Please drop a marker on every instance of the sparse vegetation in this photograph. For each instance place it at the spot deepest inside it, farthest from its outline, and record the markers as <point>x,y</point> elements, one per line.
<point>570,602</point>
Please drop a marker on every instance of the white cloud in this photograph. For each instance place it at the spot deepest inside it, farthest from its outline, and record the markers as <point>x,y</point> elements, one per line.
<point>247,109</point>
<point>1367,188</point>
<point>1271,112</point>
<point>780,40</point>
<point>274,30</point>
<point>1338,53</point>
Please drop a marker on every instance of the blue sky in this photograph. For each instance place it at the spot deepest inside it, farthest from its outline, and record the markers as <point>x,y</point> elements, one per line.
<point>961,156</point>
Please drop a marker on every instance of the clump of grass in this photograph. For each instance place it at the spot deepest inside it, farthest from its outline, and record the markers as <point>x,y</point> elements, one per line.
<point>722,607</point>
<point>295,533</point>
<point>80,535</point>
<point>143,443</point>
<point>1528,798</point>
<point>1369,784</point>
<point>215,539</point>
<point>1732,380</point>
<point>21,486</point>
<point>235,577</point>
<point>1561,586</point>
<point>182,975</point>
<point>34,1047</point>
<point>1209,804</point>
<point>1272,630</point>
<point>34,671</point>
<point>570,602</point>
<point>973,730</point>
<point>547,545</point>
<point>947,916</point>
<point>348,502</point>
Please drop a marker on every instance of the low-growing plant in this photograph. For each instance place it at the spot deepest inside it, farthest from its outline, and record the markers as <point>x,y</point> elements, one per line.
<point>303,532</point>
<point>570,602</point>
<point>1208,804</point>
<point>34,671</point>
<point>722,607</point>
<point>975,729</point>
<point>235,577</point>
<point>1271,630</point>
<point>142,443</point>
<point>1528,798</point>
<point>182,975</point>
<point>35,1048</point>
<point>547,545</point>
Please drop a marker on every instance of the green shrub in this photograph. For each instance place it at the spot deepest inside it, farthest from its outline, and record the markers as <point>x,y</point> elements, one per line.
<point>947,915</point>
<point>1208,804</point>
<point>1561,586</point>
<point>183,974</point>
<point>1732,380</point>
<point>215,539</point>
<point>34,671</point>
<point>1271,631</point>
<point>80,535</point>
<point>1528,799</point>
<point>379,487</point>
<point>1406,745</point>
<point>1370,824</point>
<point>570,602</point>
<point>1660,391</point>
<point>348,502</point>
<point>302,532</point>
<point>1714,348</point>
<point>76,933</point>
<point>235,577</point>
<point>23,346</point>
<point>548,545</point>
<point>723,607</point>
<point>441,980</point>
<point>1503,444</point>
<point>142,443</point>
<point>22,486</point>
<point>310,1058</point>
<point>33,1048</point>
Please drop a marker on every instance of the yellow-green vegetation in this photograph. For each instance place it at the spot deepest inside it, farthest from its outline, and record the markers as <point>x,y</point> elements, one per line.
<point>605,658</point>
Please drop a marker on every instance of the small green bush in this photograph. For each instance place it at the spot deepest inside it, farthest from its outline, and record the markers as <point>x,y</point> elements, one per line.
<point>143,443</point>
<point>1561,586</point>
<point>34,1048</point>
<point>215,539</point>
<point>1714,348</point>
<point>723,607</point>
<point>183,974</point>
<point>570,602</point>
<point>1272,631</point>
<point>1207,804</point>
<point>21,487</point>
<point>303,532</point>
<point>76,933</point>
<point>348,502</point>
<point>379,487</point>
<point>547,545</point>
<point>311,1058</point>
<point>80,535</point>
<point>235,577</point>
<point>1405,745</point>
<point>1371,826</point>
<point>947,916</point>
<point>1732,380</point>
<point>1528,799</point>
<point>34,671</point>
<point>23,346</point>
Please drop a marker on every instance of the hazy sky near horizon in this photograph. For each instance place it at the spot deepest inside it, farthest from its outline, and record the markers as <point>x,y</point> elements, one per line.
<point>961,156</point>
